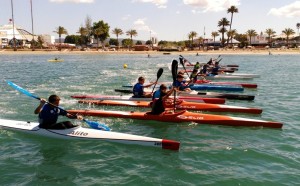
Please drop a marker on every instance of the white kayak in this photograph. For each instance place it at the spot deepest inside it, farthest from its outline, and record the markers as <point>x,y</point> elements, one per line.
<point>228,77</point>
<point>88,134</point>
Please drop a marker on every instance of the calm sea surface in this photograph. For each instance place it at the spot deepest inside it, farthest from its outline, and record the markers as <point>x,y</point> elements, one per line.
<point>209,155</point>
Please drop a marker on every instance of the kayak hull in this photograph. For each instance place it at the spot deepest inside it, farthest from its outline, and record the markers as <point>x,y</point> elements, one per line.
<point>183,116</point>
<point>130,98</point>
<point>88,134</point>
<point>216,87</point>
<point>182,105</point>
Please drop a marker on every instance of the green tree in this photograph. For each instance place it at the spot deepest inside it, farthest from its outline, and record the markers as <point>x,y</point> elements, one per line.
<point>214,35</point>
<point>102,27</point>
<point>60,31</point>
<point>251,33</point>
<point>231,34</point>
<point>113,41</point>
<point>242,38</point>
<point>191,36</point>
<point>138,43</point>
<point>270,32</point>
<point>74,39</point>
<point>288,32</point>
<point>98,32</point>
<point>127,42</point>
<point>117,32</point>
<point>83,35</point>
<point>132,33</point>
<point>231,10</point>
<point>222,24</point>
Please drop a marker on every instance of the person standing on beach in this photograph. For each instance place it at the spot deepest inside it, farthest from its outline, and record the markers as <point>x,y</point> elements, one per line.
<point>138,89</point>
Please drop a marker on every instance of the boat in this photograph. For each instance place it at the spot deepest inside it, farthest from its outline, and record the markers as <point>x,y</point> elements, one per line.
<point>130,98</point>
<point>82,133</point>
<point>179,105</point>
<point>209,87</point>
<point>219,95</point>
<point>55,60</point>
<point>245,85</point>
<point>221,76</point>
<point>216,87</point>
<point>204,95</point>
<point>182,116</point>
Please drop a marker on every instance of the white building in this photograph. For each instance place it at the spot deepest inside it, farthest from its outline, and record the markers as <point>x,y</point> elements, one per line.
<point>23,37</point>
<point>8,32</point>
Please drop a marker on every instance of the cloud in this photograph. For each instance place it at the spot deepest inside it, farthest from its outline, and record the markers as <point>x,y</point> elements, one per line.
<point>72,1</point>
<point>140,25</point>
<point>211,5</point>
<point>291,10</point>
<point>158,3</point>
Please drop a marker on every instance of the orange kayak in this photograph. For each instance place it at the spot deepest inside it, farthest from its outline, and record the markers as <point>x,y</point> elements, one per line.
<point>182,116</point>
<point>179,105</point>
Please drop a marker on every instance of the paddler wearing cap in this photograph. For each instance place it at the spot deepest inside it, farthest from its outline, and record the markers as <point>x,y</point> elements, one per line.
<point>180,83</point>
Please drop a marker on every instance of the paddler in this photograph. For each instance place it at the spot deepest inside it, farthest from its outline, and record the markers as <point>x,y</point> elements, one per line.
<point>138,89</point>
<point>158,99</point>
<point>48,114</point>
<point>180,83</point>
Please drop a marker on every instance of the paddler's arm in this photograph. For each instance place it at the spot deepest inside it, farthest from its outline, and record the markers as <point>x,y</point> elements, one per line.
<point>149,85</point>
<point>39,108</point>
<point>168,94</point>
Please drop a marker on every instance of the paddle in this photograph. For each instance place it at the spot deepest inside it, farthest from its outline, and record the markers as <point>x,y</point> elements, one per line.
<point>181,62</point>
<point>159,73</point>
<point>174,75</point>
<point>92,124</point>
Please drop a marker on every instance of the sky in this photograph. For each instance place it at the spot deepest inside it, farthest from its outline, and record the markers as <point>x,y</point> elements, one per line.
<point>170,20</point>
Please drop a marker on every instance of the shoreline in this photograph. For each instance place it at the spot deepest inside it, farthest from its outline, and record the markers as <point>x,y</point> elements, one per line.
<point>194,52</point>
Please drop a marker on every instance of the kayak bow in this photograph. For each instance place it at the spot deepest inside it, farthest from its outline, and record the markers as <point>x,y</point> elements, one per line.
<point>88,134</point>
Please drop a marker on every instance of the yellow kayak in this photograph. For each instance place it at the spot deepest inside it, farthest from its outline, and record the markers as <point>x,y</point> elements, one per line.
<point>55,60</point>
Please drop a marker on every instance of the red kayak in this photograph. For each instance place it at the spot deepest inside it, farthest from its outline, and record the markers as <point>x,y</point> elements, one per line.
<point>179,105</point>
<point>130,98</point>
<point>182,116</point>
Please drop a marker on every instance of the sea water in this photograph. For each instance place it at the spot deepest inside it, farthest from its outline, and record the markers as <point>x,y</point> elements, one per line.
<point>209,155</point>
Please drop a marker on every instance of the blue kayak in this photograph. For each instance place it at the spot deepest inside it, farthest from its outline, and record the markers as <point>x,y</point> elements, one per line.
<point>216,87</point>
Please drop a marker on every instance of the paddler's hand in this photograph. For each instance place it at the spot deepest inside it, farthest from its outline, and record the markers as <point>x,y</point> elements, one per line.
<point>42,101</point>
<point>79,117</point>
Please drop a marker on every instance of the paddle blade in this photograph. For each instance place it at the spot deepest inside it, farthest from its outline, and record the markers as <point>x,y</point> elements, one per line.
<point>20,89</point>
<point>159,72</point>
<point>96,125</point>
<point>174,69</point>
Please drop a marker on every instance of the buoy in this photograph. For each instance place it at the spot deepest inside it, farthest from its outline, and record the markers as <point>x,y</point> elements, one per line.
<point>125,65</point>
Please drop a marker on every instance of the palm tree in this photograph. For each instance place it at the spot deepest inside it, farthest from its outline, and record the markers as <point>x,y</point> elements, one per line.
<point>288,32</point>
<point>231,10</point>
<point>270,32</point>
<point>223,23</point>
<point>60,31</point>
<point>214,35</point>
<point>231,34</point>
<point>251,33</point>
<point>131,33</point>
<point>117,32</point>
<point>83,32</point>
<point>191,36</point>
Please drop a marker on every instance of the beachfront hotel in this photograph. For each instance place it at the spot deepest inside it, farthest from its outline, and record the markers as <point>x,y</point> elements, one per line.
<point>23,37</point>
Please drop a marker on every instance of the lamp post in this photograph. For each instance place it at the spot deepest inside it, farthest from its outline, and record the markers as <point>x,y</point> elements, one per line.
<point>13,21</point>
<point>32,42</point>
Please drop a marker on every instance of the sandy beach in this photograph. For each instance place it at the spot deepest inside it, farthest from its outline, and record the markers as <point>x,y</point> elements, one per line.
<point>272,51</point>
